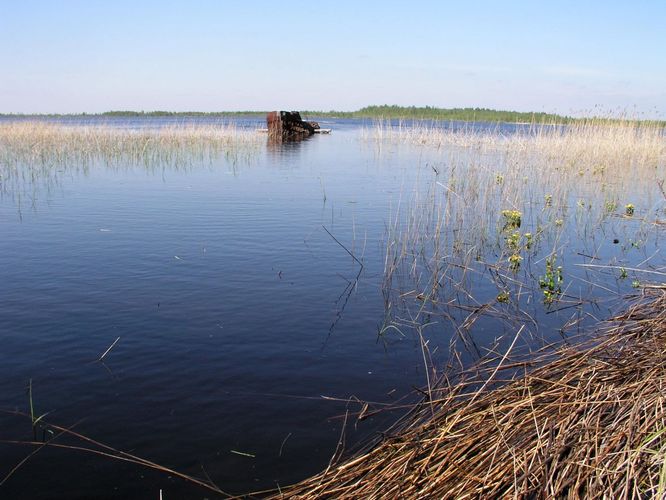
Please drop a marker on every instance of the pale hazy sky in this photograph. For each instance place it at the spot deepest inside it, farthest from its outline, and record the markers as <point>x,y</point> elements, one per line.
<point>565,57</point>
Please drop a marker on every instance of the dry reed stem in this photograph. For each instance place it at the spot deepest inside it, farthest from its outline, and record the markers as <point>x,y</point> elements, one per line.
<point>585,423</point>
<point>91,446</point>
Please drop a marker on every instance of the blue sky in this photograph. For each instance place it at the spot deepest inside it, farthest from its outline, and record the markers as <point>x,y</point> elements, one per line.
<point>577,57</point>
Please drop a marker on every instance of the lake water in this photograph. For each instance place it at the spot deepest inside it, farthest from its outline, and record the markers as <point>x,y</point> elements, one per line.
<point>244,327</point>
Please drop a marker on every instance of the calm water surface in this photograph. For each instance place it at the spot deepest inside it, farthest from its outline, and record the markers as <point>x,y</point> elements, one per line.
<point>236,312</point>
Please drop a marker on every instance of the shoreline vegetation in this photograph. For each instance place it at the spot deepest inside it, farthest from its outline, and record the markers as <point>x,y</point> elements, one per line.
<point>583,420</point>
<point>383,112</point>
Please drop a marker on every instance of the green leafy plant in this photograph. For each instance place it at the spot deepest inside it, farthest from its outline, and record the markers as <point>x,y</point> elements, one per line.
<point>514,262</point>
<point>551,282</point>
<point>529,239</point>
<point>513,240</point>
<point>611,206</point>
<point>512,219</point>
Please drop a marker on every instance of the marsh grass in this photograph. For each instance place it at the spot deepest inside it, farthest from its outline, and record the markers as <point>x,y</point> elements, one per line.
<point>498,207</point>
<point>39,144</point>
<point>35,156</point>
<point>583,420</point>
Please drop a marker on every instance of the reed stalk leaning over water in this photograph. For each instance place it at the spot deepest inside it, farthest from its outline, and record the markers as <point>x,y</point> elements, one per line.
<point>578,421</point>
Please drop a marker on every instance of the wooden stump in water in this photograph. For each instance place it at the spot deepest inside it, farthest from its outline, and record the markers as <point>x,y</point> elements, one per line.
<point>289,125</point>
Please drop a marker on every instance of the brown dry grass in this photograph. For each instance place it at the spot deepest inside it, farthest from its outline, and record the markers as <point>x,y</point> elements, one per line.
<point>588,422</point>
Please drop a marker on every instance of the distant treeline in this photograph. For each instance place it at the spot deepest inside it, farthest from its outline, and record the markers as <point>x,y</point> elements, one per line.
<point>376,112</point>
<point>379,112</point>
<point>213,114</point>
<point>431,113</point>
<point>138,114</point>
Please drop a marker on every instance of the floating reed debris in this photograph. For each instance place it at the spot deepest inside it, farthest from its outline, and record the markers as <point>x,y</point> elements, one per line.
<point>586,421</point>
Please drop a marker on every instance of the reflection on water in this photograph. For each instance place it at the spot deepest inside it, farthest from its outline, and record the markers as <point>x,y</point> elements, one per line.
<point>283,147</point>
<point>241,291</point>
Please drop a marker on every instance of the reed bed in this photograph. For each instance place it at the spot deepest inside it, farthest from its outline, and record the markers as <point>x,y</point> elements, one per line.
<point>583,420</point>
<point>492,216</point>
<point>582,141</point>
<point>39,144</point>
<point>588,159</point>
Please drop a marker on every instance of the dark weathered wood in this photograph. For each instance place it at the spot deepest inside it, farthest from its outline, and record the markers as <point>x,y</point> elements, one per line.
<point>289,124</point>
<point>317,130</point>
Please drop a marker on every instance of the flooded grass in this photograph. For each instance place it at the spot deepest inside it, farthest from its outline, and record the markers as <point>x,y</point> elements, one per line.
<point>502,222</point>
<point>36,155</point>
<point>42,144</point>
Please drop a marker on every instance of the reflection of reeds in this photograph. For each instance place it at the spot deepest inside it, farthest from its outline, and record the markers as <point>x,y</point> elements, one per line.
<point>39,144</point>
<point>588,421</point>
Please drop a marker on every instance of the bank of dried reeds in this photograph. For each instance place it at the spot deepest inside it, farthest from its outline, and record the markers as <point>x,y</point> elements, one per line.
<point>583,420</point>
